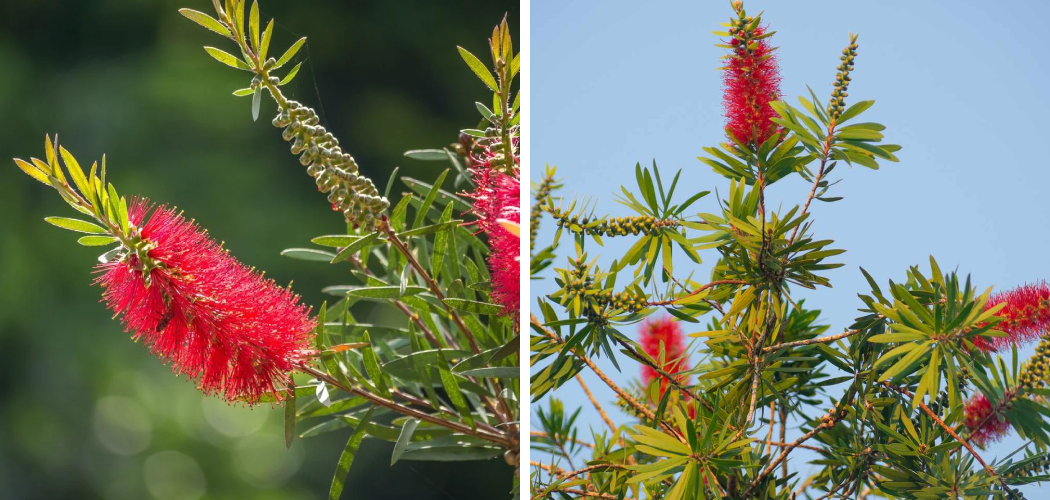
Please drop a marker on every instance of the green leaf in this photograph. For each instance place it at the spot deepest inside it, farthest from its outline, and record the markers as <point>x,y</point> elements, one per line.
<point>206,21</point>
<point>77,225</point>
<point>291,74</point>
<point>96,241</point>
<point>383,292</point>
<point>404,439</point>
<point>290,53</point>
<point>75,171</point>
<point>264,45</point>
<point>493,372</point>
<point>440,245</point>
<point>335,240</point>
<point>429,200</point>
<point>354,247</point>
<point>855,110</point>
<point>243,92</point>
<point>427,154</point>
<point>451,453</point>
<point>474,306</point>
<point>227,59</point>
<point>256,102</point>
<point>347,457</point>
<point>253,24</point>
<point>371,361</point>
<point>479,69</point>
<point>312,254</point>
<point>289,418</point>
<point>32,171</point>
<point>455,394</point>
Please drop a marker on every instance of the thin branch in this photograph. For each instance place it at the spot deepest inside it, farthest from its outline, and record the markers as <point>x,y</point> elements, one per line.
<point>594,402</point>
<point>384,226</point>
<point>644,410</point>
<point>818,340</point>
<point>698,290</point>
<point>541,434</point>
<point>816,181</point>
<point>949,430</point>
<point>500,439</point>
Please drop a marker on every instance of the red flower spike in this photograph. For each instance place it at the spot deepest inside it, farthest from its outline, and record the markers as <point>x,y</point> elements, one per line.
<point>664,333</point>
<point>497,197</point>
<point>984,426</point>
<point>237,334</point>
<point>750,83</point>
<point>1026,316</point>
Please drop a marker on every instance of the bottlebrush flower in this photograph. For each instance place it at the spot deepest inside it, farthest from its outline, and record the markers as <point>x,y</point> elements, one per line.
<point>665,334</point>
<point>1025,317</point>
<point>750,83</point>
<point>985,427</point>
<point>496,203</point>
<point>237,334</point>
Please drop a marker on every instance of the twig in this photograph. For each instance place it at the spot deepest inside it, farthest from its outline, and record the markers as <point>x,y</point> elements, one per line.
<point>816,181</point>
<point>500,439</point>
<point>698,290</point>
<point>949,430</point>
<point>818,340</point>
<point>644,410</point>
<point>384,226</point>
<point>548,436</point>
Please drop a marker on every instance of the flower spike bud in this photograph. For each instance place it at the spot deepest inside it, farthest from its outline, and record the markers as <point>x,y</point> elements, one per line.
<point>751,81</point>
<point>842,79</point>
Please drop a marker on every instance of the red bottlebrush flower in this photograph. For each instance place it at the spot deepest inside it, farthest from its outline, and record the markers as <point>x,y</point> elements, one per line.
<point>497,198</point>
<point>1026,316</point>
<point>237,334</point>
<point>751,82</point>
<point>985,427</point>
<point>664,333</point>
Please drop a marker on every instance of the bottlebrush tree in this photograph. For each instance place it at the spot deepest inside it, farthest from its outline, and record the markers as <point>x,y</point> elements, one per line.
<point>442,384</point>
<point>898,405</point>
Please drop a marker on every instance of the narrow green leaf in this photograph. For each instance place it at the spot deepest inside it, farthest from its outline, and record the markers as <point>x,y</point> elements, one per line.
<point>256,102</point>
<point>474,306</point>
<point>227,59</point>
<point>335,240</point>
<point>291,74</point>
<point>347,457</point>
<point>421,214</point>
<point>253,24</point>
<point>427,154</point>
<point>479,69</point>
<point>206,21</point>
<point>32,171</point>
<point>493,372</point>
<point>354,247</point>
<point>96,241</point>
<point>312,254</point>
<point>264,45</point>
<point>402,440</point>
<point>77,225</point>
<point>289,418</point>
<point>290,53</point>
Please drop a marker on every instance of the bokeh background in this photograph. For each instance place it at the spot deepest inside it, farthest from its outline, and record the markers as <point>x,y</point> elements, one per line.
<point>86,413</point>
<point>955,83</point>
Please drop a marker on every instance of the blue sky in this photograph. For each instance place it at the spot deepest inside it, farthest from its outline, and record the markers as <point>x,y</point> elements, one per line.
<point>962,86</point>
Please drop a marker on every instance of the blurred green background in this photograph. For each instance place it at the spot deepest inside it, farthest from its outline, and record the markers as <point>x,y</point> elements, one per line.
<point>86,413</point>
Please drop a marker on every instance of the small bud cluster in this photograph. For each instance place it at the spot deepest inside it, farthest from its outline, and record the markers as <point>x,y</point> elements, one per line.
<point>542,192</point>
<point>335,171</point>
<point>842,79</point>
<point>579,282</point>
<point>612,226</point>
<point>1036,371</point>
<point>1038,466</point>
